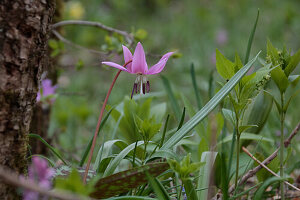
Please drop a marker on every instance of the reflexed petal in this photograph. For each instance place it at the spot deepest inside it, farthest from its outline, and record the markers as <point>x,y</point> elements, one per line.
<point>158,67</point>
<point>115,65</point>
<point>166,56</point>
<point>139,64</point>
<point>127,57</point>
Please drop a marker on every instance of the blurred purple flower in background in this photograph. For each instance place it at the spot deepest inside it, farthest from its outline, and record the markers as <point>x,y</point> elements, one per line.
<point>222,37</point>
<point>40,173</point>
<point>139,67</point>
<point>47,90</point>
<point>213,58</point>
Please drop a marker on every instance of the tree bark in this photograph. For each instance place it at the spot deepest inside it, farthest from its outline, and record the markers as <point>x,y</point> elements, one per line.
<point>24,30</point>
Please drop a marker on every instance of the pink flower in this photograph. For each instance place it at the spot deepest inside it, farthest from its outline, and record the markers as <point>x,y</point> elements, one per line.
<point>41,174</point>
<point>139,67</point>
<point>47,90</point>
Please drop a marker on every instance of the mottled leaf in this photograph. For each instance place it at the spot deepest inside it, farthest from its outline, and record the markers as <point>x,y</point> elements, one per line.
<point>123,181</point>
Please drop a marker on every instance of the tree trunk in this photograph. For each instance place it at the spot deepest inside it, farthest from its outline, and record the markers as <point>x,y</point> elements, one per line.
<point>24,29</point>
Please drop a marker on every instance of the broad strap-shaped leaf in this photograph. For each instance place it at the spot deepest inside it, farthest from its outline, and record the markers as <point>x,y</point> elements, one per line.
<point>123,181</point>
<point>208,158</point>
<point>248,136</point>
<point>200,115</point>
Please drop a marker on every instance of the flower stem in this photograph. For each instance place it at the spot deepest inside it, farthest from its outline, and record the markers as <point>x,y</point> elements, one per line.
<point>282,118</point>
<point>99,122</point>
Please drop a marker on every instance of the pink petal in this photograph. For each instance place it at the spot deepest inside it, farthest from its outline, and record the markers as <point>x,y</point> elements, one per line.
<point>158,67</point>
<point>167,56</point>
<point>115,65</point>
<point>139,64</point>
<point>127,57</point>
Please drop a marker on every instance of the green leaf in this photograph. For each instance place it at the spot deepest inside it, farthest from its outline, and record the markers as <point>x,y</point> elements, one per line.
<point>224,66</point>
<point>245,192</point>
<point>208,158</point>
<point>276,102</point>
<point>31,135</point>
<point>190,189</point>
<point>163,154</point>
<point>185,167</point>
<point>258,111</point>
<point>116,161</point>
<point>250,41</point>
<point>264,174</point>
<point>229,115</point>
<point>261,190</point>
<point>73,183</point>
<point>200,129</point>
<point>79,65</point>
<point>238,63</point>
<point>200,115</point>
<point>248,136</point>
<point>53,44</point>
<point>294,79</point>
<point>140,34</point>
<point>246,127</point>
<point>147,127</point>
<point>173,101</point>
<point>124,181</point>
<point>159,111</point>
<point>294,61</point>
<point>105,149</point>
<point>280,79</point>
<point>181,119</point>
<point>290,99</point>
<point>158,188</point>
<point>272,53</point>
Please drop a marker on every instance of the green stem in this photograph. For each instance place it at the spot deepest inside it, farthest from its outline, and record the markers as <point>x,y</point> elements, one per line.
<point>282,118</point>
<point>237,157</point>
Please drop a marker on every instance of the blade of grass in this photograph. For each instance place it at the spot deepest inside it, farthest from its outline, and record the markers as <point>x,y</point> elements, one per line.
<point>164,132</point>
<point>32,135</point>
<point>200,115</point>
<point>196,89</point>
<point>116,161</point>
<point>158,188</point>
<point>173,101</point>
<point>182,119</point>
<point>251,38</point>
<point>245,192</point>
